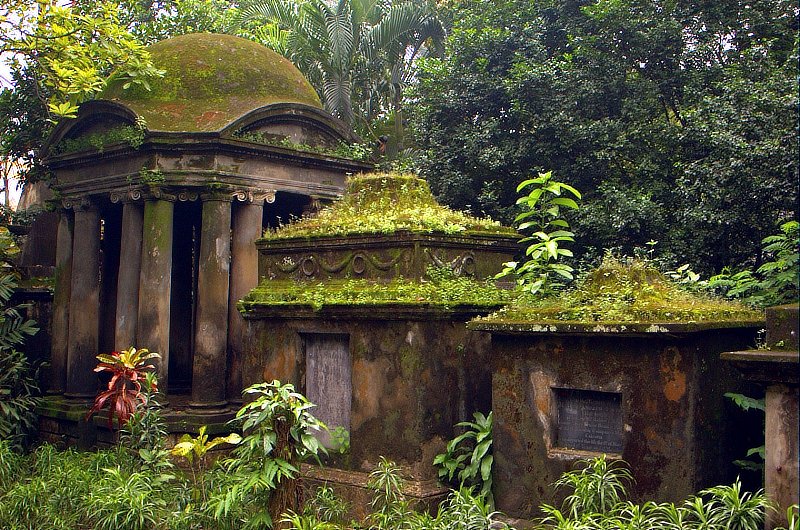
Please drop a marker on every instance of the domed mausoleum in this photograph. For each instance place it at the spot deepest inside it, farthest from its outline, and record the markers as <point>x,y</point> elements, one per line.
<point>163,194</point>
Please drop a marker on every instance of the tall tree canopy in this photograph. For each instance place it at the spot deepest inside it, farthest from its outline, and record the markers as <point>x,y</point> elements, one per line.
<point>678,120</point>
<point>357,52</point>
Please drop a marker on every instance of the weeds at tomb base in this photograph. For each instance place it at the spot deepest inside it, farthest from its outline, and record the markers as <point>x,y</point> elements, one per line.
<point>136,485</point>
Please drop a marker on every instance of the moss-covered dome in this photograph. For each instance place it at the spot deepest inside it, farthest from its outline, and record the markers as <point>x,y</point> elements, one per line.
<point>209,81</point>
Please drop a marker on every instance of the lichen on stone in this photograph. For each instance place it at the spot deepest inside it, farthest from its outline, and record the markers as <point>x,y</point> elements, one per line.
<point>209,81</point>
<point>383,203</point>
<point>624,291</point>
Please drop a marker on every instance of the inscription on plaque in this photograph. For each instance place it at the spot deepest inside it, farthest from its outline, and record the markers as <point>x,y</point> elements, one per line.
<point>589,420</point>
<point>329,381</point>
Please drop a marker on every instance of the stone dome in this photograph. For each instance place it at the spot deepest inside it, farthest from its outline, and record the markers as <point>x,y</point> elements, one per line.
<point>211,80</point>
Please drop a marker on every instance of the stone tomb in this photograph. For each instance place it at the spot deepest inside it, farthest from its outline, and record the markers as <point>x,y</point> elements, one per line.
<point>396,376</point>
<point>163,194</point>
<point>649,393</point>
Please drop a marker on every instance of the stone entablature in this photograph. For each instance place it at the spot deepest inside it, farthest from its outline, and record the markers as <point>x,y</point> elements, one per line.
<point>402,254</point>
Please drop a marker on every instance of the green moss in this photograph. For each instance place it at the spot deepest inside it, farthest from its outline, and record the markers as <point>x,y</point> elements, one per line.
<point>209,81</point>
<point>410,361</point>
<point>439,290</point>
<point>356,151</point>
<point>130,135</point>
<point>617,291</point>
<point>384,203</point>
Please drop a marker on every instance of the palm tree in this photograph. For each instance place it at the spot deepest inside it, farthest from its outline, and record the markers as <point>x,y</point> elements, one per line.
<point>357,53</point>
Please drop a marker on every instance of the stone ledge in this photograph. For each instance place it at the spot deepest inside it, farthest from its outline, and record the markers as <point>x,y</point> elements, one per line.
<point>766,366</point>
<point>387,311</point>
<point>608,328</point>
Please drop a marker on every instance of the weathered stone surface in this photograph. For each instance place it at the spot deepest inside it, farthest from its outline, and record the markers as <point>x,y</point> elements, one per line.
<point>413,378</point>
<point>781,463</point>
<point>130,262</point>
<point>384,256</point>
<point>779,370</point>
<point>155,282</point>
<point>673,410</point>
<point>84,305</point>
<point>782,327</point>
<point>211,337</point>
<point>247,223</point>
<point>61,296</point>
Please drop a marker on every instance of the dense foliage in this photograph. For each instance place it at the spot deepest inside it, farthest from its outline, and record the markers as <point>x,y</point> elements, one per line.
<point>776,281</point>
<point>678,121</point>
<point>18,379</point>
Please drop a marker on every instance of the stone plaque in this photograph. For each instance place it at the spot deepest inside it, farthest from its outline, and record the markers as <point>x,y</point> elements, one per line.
<point>328,382</point>
<point>589,420</point>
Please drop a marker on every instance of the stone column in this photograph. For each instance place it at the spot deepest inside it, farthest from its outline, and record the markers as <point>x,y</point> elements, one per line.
<point>247,227</point>
<point>130,260</point>
<point>60,319</point>
<point>782,441</point>
<point>211,334</point>
<point>155,281</point>
<point>84,304</point>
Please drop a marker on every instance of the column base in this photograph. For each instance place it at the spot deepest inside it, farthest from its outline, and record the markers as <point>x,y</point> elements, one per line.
<point>80,397</point>
<point>210,407</point>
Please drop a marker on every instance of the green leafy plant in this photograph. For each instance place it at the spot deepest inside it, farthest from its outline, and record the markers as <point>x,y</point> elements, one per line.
<point>468,456</point>
<point>124,392</point>
<point>776,281</point>
<point>543,269</point>
<point>18,379</point>
<point>145,431</point>
<point>747,403</point>
<point>624,290</point>
<point>356,151</point>
<point>132,135</point>
<point>279,434</point>
<point>195,449</point>
<point>389,504</point>
<point>596,488</point>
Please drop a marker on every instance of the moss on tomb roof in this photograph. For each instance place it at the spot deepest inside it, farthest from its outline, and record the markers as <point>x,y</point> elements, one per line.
<point>623,291</point>
<point>209,81</point>
<point>440,289</point>
<point>383,203</point>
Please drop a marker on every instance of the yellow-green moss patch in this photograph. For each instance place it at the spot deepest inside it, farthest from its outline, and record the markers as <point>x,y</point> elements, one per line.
<point>440,289</point>
<point>209,81</point>
<point>383,203</point>
<point>616,292</point>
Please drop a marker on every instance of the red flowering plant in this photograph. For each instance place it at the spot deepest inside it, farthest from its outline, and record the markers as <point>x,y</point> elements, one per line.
<point>128,370</point>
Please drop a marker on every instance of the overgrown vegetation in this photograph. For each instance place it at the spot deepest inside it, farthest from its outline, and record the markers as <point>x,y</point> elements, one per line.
<point>124,395</point>
<point>776,281</point>
<point>354,151</point>
<point>110,489</point>
<point>131,135</point>
<point>441,289</point>
<point>597,501</point>
<point>468,457</point>
<point>543,269</point>
<point>625,290</point>
<point>18,379</point>
<point>384,203</point>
